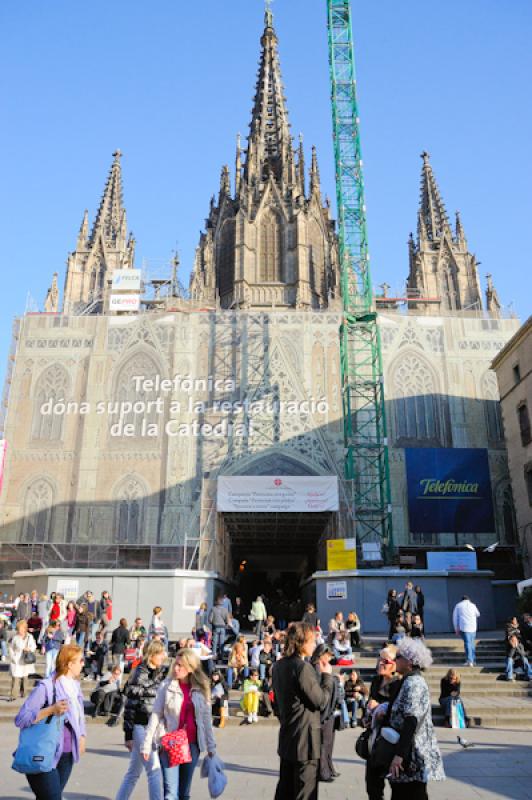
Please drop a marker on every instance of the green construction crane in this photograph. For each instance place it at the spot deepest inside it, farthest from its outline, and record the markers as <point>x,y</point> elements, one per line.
<point>366,444</point>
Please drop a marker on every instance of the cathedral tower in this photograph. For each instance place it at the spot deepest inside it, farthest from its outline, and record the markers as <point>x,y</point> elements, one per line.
<point>441,266</point>
<point>270,243</point>
<point>98,253</point>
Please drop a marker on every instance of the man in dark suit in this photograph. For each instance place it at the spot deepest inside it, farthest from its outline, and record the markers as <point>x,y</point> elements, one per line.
<point>300,694</point>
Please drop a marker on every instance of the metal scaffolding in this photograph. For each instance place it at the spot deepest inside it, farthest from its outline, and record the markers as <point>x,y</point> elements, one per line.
<point>366,444</point>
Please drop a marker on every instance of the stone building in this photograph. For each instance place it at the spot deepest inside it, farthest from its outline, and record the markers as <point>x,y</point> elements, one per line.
<point>105,484</point>
<point>513,367</point>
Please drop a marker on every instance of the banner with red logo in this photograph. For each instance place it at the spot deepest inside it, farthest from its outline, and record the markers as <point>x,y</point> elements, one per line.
<point>277,493</point>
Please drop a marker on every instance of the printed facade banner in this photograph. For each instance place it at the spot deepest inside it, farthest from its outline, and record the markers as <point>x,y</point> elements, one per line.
<point>449,490</point>
<point>265,493</point>
<point>341,554</point>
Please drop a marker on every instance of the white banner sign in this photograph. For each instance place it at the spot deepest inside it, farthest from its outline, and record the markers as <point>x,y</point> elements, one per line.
<point>69,589</point>
<point>452,561</point>
<point>265,493</point>
<point>126,280</point>
<point>124,302</point>
<point>336,590</point>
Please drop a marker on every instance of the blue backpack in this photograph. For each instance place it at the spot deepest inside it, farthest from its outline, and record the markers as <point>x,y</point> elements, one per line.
<point>38,744</point>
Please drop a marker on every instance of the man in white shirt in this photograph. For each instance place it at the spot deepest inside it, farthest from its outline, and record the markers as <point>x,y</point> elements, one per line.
<point>465,616</point>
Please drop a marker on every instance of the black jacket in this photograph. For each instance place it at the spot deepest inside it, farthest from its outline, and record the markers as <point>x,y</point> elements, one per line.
<point>393,608</point>
<point>300,696</point>
<point>119,640</point>
<point>140,692</point>
<point>447,688</point>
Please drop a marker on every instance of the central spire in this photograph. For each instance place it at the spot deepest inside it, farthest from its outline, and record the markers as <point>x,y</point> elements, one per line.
<point>269,149</point>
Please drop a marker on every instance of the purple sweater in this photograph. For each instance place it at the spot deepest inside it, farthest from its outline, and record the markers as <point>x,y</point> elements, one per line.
<point>42,693</point>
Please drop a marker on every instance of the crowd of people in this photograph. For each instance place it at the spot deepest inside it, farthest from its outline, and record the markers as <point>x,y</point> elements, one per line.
<point>278,668</point>
<point>282,669</point>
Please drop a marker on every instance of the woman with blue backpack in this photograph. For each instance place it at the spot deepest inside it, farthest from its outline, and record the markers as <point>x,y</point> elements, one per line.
<point>52,728</point>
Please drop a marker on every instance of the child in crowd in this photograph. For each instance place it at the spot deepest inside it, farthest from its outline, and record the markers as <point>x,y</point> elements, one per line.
<point>251,697</point>
<point>51,645</point>
<point>219,699</point>
<point>416,631</point>
<point>266,659</point>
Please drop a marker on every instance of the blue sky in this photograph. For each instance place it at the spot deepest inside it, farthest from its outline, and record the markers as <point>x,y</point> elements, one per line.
<point>171,83</point>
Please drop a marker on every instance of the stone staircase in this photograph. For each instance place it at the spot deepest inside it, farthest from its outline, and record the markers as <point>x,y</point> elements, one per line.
<point>490,701</point>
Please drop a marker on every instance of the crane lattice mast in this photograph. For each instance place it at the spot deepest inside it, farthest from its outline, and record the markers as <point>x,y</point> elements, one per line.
<point>366,444</point>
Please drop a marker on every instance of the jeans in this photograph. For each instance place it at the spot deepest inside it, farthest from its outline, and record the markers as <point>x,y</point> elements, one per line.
<point>353,705</point>
<point>510,667</point>
<point>469,646</point>
<point>218,640</point>
<point>3,644</point>
<point>342,653</point>
<point>446,704</point>
<point>259,626</point>
<point>50,785</point>
<point>244,672</point>
<point>51,657</point>
<point>118,661</point>
<point>80,638</point>
<point>262,671</point>
<point>136,765</point>
<point>178,780</point>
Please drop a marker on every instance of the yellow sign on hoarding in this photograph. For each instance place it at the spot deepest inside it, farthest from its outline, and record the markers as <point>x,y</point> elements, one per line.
<point>341,554</point>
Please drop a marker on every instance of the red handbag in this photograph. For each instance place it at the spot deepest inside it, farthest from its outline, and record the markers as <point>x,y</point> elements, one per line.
<point>176,747</point>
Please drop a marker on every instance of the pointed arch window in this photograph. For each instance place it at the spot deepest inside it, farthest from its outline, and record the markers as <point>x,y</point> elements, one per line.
<point>417,413</point>
<point>139,364</point>
<point>316,256</point>
<point>270,248</point>
<point>38,503</point>
<point>52,385</point>
<point>492,409</point>
<point>226,257</point>
<point>129,511</point>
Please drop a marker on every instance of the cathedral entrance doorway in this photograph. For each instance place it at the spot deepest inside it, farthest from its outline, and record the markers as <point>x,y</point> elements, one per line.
<point>273,553</point>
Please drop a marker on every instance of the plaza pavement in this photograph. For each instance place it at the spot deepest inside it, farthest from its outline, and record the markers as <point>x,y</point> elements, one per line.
<point>499,766</point>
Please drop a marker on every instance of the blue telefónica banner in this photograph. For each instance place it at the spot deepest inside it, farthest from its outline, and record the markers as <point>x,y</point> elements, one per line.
<point>449,490</point>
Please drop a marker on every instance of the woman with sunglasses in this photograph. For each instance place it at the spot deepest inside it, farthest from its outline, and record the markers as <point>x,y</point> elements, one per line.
<point>418,759</point>
<point>58,695</point>
<point>384,688</point>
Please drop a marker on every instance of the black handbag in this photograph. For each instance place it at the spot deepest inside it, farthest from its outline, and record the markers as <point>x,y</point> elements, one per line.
<point>28,658</point>
<point>382,754</point>
<point>362,744</point>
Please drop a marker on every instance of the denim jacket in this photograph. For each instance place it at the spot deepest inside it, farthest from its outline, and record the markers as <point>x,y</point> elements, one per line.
<point>42,695</point>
